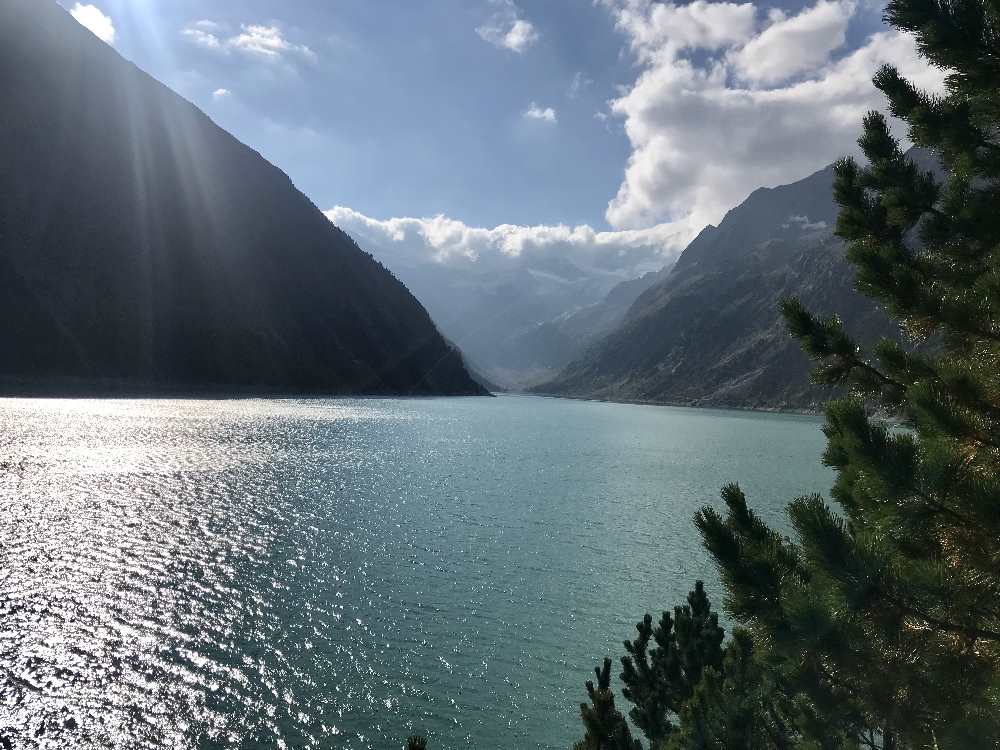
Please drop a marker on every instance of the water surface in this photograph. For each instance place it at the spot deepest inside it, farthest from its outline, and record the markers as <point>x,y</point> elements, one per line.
<point>341,573</point>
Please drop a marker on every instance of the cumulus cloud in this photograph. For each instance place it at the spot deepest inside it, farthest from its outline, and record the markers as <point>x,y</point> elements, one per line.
<point>790,46</point>
<point>534,112</point>
<point>506,29</point>
<point>221,94</point>
<point>92,18</point>
<point>258,40</point>
<point>440,239</point>
<point>268,41</point>
<point>203,33</point>
<point>728,99</point>
<point>661,31</point>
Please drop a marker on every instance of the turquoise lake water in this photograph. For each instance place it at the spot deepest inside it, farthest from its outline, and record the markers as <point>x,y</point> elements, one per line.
<point>342,573</point>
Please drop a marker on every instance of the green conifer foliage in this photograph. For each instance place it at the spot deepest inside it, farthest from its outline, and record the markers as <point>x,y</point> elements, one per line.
<point>604,725</point>
<point>689,692</point>
<point>733,706</point>
<point>886,609</point>
<point>659,681</point>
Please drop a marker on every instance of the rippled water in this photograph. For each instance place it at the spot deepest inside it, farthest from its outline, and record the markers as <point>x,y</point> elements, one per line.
<point>341,573</point>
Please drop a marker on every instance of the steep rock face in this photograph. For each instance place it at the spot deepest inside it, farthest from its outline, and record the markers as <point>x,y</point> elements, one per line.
<point>710,332</point>
<point>141,246</point>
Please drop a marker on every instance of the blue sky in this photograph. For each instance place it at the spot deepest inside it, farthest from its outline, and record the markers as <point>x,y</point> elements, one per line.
<point>633,121</point>
<point>405,109</point>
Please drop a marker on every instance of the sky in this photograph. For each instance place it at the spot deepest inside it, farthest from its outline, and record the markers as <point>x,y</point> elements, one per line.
<point>464,128</point>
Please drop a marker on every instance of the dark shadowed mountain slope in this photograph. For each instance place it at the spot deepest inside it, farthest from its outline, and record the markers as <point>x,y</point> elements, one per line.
<point>143,246</point>
<point>710,332</point>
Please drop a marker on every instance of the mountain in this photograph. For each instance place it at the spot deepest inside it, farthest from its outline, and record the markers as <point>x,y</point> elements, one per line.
<point>709,331</point>
<point>143,247</point>
<point>486,310</point>
<point>514,299</point>
<point>538,352</point>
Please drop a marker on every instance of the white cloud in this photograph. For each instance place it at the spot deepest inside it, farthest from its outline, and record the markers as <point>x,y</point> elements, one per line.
<point>534,112</point>
<point>578,84</point>
<point>790,46</point>
<point>221,94</point>
<point>441,239</point>
<point>265,42</point>
<point>92,18</point>
<point>202,35</point>
<point>507,30</point>
<point>803,222</point>
<point>721,107</point>
<point>268,41</point>
<point>660,31</point>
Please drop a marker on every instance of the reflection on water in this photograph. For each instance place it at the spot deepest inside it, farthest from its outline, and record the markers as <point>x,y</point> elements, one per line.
<point>341,573</point>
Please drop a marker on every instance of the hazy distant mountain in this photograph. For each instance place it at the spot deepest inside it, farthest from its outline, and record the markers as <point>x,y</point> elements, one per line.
<point>143,246</point>
<point>538,352</point>
<point>520,315</point>
<point>709,332</point>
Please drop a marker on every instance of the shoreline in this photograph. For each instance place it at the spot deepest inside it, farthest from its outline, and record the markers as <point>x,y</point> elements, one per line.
<point>118,390</point>
<point>125,390</point>
<point>801,412</point>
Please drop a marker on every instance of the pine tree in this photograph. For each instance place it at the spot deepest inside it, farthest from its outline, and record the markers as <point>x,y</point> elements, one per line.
<point>886,610</point>
<point>690,692</point>
<point>659,681</point>
<point>734,705</point>
<point>604,725</point>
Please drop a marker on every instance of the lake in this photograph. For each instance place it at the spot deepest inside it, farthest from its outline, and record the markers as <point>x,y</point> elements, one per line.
<point>343,573</point>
